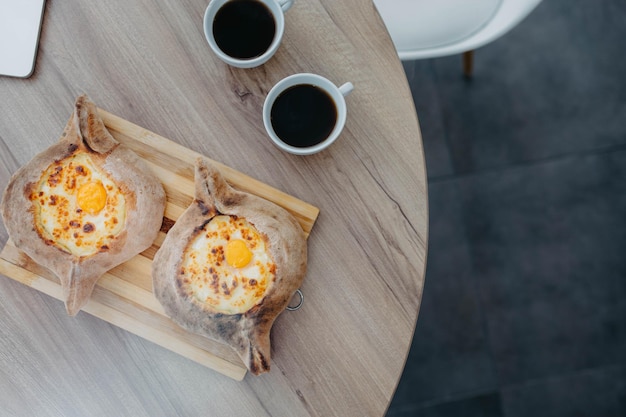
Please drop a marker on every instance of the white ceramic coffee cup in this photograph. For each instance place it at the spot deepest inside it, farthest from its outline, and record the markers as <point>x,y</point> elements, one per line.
<point>276,7</point>
<point>337,94</point>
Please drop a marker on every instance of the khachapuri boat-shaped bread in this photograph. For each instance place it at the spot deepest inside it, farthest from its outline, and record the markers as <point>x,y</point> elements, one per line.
<point>83,206</point>
<point>229,266</point>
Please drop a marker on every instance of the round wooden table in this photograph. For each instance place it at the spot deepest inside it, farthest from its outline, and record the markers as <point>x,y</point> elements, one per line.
<point>148,62</point>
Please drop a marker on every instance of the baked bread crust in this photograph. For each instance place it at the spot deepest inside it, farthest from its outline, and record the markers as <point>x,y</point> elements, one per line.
<point>145,205</point>
<point>247,333</point>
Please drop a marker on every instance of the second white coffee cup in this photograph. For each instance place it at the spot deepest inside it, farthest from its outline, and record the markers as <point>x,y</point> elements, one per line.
<point>304,113</point>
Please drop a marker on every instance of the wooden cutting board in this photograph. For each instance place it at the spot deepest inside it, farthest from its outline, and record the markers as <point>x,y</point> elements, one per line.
<point>123,296</point>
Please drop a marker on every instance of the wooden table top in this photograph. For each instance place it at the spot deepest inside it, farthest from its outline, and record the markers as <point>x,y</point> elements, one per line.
<point>343,352</point>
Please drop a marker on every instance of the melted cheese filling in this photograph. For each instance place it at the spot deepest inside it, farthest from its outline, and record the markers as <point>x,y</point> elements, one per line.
<point>77,207</point>
<point>227,266</point>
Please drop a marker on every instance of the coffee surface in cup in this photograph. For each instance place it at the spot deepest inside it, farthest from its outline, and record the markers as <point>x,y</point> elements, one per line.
<point>303,115</point>
<point>244,29</point>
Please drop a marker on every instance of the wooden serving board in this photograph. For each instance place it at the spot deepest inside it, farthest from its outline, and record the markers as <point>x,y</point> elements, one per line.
<point>123,296</point>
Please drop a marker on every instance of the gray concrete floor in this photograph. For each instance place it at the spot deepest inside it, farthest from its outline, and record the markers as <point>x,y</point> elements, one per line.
<point>524,306</point>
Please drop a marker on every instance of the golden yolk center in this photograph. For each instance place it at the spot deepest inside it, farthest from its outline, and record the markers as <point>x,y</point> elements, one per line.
<point>91,197</point>
<point>237,253</point>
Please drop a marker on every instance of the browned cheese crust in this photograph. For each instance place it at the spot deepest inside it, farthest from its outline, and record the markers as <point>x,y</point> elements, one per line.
<point>142,191</point>
<point>247,333</point>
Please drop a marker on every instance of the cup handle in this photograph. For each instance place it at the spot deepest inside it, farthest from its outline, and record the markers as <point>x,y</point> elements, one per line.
<point>285,4</point>
<point>346,88</point>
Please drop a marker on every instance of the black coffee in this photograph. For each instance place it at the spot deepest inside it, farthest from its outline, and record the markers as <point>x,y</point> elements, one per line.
<point>303,115</point>
<point>244,29</point>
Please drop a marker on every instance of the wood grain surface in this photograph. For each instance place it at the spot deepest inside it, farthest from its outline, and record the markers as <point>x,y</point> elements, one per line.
<point>343,352</point>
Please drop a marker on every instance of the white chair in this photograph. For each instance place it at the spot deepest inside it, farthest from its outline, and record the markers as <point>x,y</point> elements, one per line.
<point>434,28</point>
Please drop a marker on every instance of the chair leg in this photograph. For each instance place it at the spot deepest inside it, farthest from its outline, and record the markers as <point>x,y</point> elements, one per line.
<point>468,63</point>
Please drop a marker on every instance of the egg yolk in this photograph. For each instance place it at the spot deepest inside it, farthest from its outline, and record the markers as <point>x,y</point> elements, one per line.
<point>237,254</point>
<point>91,197</point>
